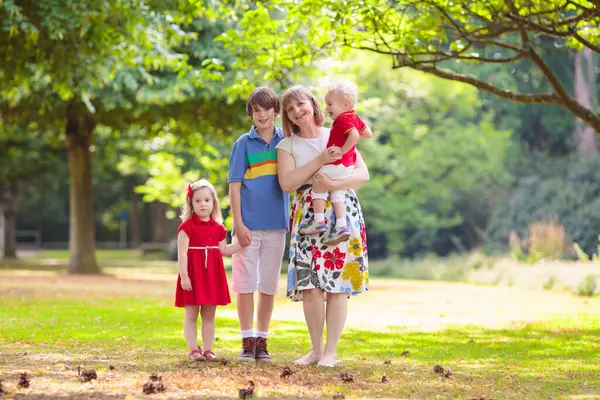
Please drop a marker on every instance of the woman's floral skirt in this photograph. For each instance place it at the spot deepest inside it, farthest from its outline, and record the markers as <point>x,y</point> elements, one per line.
<point>342,268</point>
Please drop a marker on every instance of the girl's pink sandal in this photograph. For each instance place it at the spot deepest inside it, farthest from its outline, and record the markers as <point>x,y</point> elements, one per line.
<point>209,355</point>
<point>196,355</point>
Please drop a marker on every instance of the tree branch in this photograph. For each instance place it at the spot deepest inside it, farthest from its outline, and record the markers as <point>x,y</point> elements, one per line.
<point>542,98</point>
<point>586,43</point>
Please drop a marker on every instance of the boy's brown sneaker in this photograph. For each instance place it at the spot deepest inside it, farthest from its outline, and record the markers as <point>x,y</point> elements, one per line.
<point>248,349</point>
<point>261,350</point>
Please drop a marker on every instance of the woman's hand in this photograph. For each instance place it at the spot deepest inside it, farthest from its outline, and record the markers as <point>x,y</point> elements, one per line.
<point>330,155</point>
<point>322,183</point>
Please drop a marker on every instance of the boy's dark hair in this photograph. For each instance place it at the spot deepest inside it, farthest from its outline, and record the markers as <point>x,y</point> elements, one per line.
<point>264,97</point>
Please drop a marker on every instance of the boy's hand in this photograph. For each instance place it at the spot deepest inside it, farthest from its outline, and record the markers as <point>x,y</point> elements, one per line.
<point>243,235</point>
<point>186,284</point>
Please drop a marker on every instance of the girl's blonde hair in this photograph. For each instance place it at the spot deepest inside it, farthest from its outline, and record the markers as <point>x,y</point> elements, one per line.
<point>299,93</point>
<point>187,210</point>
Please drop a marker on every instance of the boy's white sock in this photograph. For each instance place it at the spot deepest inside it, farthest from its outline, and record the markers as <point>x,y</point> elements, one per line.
<point>340,222</point>
<point>262,334</point>
<point>247,333</point>
<point>319,217</point>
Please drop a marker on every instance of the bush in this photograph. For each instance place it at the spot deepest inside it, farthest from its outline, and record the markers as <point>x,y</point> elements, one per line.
<point>567,188</point>
<point>587,286</point>
<point>548,239</point>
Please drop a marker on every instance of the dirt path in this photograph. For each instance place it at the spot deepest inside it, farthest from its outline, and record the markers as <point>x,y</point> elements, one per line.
<point>414,305</point>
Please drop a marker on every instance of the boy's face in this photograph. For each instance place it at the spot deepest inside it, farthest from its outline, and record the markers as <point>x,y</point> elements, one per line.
<point>263,118</point>
<point>336,104</point>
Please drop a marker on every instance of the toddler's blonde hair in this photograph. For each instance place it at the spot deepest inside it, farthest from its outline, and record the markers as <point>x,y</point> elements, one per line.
<point>346,88</point>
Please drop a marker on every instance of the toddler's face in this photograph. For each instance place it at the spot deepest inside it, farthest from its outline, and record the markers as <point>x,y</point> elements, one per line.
<point>202,202</point>
<point>336,104</point>
<point>263,118</point>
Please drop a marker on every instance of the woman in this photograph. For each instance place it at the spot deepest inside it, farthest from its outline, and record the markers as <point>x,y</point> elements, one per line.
<point>317,271</point>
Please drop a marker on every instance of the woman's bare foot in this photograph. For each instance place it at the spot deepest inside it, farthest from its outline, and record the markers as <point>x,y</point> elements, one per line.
<point>311,358</point>
<point>327,360</point>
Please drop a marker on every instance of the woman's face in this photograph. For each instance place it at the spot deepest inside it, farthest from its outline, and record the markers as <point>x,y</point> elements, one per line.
<point>300,112</point>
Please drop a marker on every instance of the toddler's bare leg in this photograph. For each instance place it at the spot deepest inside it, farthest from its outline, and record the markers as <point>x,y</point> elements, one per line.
<point>340,214</point>
<point>318,206</point>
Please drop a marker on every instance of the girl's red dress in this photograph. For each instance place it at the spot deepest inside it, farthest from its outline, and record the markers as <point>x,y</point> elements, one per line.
<point>205,266</point>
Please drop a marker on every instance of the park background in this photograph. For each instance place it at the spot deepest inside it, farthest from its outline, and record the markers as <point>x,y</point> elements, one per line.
<point>482,211</point>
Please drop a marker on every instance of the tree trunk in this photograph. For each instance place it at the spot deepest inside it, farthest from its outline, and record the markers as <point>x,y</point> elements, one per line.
<point>82,256</point>
<point>159,221</point>
<point>10,202</point>
<point>585,93</point>
<point>136,220</point>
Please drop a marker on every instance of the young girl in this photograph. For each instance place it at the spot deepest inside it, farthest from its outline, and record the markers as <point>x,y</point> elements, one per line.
<point>202,282</point>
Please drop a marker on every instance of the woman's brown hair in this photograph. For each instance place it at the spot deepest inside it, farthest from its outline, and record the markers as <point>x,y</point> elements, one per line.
<point>299,93</point>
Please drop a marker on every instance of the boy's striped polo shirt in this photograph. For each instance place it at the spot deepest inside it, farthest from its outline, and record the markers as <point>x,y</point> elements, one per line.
<point>254,163</point>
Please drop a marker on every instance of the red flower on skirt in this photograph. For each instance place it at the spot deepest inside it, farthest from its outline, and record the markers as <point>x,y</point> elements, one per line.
<point>363,237</point>
<point>316,253</point>
<point>292,215</point>
<point>334,259</point>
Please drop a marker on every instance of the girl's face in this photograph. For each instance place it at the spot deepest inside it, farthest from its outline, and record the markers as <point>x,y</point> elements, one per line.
<point>300,112</point>
<point>202,202</point>
<point>263,118</point>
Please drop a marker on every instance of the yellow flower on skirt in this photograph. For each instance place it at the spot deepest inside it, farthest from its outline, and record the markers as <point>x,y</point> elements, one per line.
<point>355,246</point>
<point>298,216</point>
<point>352,273</point>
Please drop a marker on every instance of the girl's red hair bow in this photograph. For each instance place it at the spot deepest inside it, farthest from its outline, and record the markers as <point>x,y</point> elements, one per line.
<point>190,191</point>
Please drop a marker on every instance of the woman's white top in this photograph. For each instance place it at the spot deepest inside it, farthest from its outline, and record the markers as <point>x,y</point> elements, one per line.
<point>304,150</point>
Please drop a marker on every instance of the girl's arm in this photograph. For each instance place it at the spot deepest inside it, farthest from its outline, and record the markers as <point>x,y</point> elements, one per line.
<point>183,242</point>
<point>291,178</point>
<point>228,249</point>
<point>322,183</point>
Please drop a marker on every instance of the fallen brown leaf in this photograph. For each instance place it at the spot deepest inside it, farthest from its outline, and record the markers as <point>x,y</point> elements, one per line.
<point>384,379</point>
<point>347,377</point>
<point>151,388</point>
<point>224,361</point>
<point>24,381</point>
<point>405,353</point>
<point>111,367</point>
<point>86,375</point>
<point>247,392</point>
<point>445,372</point>
<point>154,385</point>
<point>387,362</point>
<point>339,395</point>
<point>1,388</point>
<point>287,371</point>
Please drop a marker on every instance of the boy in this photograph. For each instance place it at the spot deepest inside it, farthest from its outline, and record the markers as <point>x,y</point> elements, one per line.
<point>346,129</point>
<point>260,221</point>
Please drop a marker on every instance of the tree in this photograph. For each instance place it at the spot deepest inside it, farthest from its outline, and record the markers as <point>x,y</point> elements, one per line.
<point>89,63</point>
<point>429,36</point>
<point>22,162</point>
<point>435,148</point>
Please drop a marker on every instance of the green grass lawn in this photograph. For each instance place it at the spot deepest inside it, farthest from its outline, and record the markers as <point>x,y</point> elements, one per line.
<point>51,324</point>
